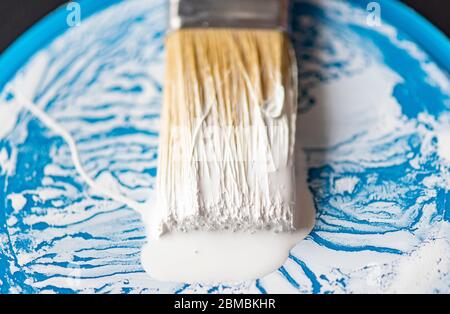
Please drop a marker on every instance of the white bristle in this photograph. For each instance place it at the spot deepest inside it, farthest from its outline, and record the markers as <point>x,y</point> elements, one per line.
<point>227,132</point>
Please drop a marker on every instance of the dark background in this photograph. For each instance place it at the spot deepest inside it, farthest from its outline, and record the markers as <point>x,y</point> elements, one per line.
<point>16,16</point>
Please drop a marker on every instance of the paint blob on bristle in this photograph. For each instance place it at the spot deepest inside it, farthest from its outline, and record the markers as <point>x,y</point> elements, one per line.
<point>227,132</point>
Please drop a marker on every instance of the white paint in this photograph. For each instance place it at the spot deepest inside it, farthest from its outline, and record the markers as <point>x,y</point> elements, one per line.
<point>426,268</point>
<point>251,188</point>
<point>443,143</point>
<point>371,107</point>
<point>4,159</point>
<point>18,201</point>
<point>8,117</point>
<point>106,180</point>
<point>58,129</point>
<point>203,256</point>
<point>345,185</point>
<point>11,221</point>
<point>211,257</point>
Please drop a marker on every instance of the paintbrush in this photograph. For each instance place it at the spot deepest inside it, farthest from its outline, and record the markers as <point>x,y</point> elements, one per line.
<point>228,120</point>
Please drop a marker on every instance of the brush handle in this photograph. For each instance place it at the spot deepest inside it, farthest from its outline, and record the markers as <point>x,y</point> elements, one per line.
<point>265,14</point>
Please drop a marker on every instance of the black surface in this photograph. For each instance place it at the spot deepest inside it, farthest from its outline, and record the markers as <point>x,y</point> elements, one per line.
<point>436,11</point>
<point>16,16</point>
<point>217,303</point>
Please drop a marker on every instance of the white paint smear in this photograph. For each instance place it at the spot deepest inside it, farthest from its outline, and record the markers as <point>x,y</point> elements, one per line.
<point>202,256</point>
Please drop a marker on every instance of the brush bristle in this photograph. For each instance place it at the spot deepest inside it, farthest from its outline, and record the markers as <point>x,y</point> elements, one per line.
<point>227,131</point>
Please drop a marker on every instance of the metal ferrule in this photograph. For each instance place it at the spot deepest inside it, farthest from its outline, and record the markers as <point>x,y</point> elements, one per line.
<point>265,14</point>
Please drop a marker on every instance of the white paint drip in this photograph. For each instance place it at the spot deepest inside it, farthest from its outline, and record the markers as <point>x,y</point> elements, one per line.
<point>68,138</point>
<point>227,256</point>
